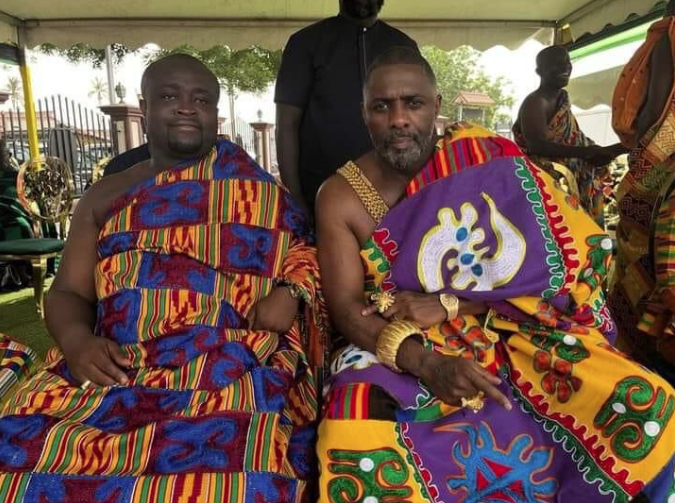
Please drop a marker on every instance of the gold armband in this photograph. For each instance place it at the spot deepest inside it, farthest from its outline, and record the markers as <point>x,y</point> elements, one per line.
<point>451,304</point>
<point>390,339</point>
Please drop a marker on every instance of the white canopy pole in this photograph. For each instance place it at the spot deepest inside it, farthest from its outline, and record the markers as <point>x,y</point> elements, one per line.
<point>110,71</point>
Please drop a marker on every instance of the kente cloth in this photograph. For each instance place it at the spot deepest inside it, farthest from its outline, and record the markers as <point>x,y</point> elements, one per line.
<point>563,128</point>
<point>631,88</point>
<point>645,263</point>
<point>484,223</point>
<point>17,362</point>
<point>213,411</point>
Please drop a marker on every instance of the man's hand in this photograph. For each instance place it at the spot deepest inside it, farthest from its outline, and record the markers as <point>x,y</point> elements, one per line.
<point>274,313</point>
<point>96,359</point>
<point>423,309</point>
<point>452,378</point>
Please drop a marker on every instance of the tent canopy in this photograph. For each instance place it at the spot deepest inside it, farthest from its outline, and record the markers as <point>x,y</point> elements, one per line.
<point>268,23</point>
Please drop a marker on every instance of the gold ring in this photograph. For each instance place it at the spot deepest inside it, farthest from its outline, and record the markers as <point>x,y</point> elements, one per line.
<point>383,301</point>
<point>85,384</point>
<point>475,403</point>
<point>397,317</point>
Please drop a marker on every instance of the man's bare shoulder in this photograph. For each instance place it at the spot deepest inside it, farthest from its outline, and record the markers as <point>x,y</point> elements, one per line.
<point>98,199</point>
<point>336,198</point>
<point>338,205</point>
<point>534,99</point>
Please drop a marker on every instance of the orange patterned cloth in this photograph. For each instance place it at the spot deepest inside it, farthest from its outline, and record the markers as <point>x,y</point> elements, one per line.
<point>631,89</point>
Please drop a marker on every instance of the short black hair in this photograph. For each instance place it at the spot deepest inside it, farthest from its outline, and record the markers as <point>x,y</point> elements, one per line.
<point>401,55</point>
<point>547,51</point>
<point>168,59</point>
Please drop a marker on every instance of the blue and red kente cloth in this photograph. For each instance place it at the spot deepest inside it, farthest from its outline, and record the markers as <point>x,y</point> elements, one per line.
<point>213,411</point>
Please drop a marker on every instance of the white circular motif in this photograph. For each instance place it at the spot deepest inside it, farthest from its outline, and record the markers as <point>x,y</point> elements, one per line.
<point>652,428</point>
<point>606,244</point>
<point>619,408</point>
<point>370,499</point>
<point>367,464</point>
<point>588,272</point>
<point>671,499</point>
<point>570,340</point>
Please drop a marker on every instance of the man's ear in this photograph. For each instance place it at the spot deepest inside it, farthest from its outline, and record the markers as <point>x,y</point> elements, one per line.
<point>437,105</point>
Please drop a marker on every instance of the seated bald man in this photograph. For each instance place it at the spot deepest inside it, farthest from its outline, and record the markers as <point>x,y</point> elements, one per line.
<point>185,374</point>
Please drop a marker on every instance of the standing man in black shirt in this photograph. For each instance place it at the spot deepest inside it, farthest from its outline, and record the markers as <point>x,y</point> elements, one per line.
<point>319,93</point>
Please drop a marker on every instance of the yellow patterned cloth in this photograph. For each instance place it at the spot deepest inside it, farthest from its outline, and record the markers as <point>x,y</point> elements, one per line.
<point>482,222</point>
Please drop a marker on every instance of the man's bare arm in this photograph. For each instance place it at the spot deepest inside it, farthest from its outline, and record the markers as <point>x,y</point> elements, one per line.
<point>660,86</point>
<point>70,308</point>
<point>449,378</point>
<point>534,125</point>
<point>288,150</point>
<point>342,273</point>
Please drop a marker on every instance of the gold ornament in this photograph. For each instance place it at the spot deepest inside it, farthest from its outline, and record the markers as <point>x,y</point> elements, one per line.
<point>383,301</point>
<point>451,304</point>
<point>474,404</point>
<point>390,339</point>
<point>98,169</point>
<point>368,194</point>
<point>45,188</point>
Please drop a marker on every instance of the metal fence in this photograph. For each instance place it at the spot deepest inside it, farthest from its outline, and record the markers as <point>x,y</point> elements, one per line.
<point>243,135</point>
<point>81,136</point>
<point>78,135</point>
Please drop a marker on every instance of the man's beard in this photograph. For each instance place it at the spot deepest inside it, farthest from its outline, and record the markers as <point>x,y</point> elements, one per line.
<point>363,9</point>
<point>404,159</point>
<point>185,144</point>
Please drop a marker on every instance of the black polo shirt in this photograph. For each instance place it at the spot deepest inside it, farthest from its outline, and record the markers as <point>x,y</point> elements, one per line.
<point>322,72</point>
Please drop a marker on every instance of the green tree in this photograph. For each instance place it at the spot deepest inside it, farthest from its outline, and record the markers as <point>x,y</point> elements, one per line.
<point>83,53</point>
<point>245,70</point>
<point>98,89</point>
<point>459,70</point>
<point>15,90</point>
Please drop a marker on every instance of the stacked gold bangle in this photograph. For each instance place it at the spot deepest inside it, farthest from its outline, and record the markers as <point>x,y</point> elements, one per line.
<point>451,304</point>
<point>390,339</point>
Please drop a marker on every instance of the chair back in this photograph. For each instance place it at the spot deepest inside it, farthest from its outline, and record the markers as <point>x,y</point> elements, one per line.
<point>45,189</point>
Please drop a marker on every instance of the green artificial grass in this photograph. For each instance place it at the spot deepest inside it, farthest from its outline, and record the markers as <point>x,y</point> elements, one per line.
<point>19,320</point>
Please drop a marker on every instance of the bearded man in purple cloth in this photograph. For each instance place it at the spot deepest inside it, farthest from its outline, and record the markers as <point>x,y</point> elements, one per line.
<point>477,364</point>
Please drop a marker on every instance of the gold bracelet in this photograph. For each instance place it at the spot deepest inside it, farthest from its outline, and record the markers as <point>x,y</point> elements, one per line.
<point>451,304</point>
<point>390,339</point>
